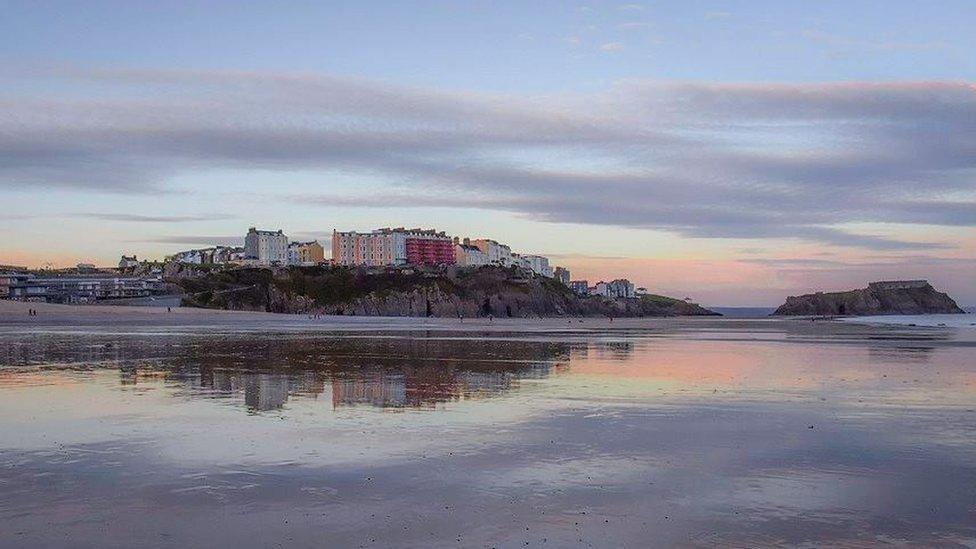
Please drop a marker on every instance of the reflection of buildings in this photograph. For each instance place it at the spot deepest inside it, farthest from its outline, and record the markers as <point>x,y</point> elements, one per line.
<point>265,375</point>
<point>426,386</point>
<point>265,391</point>
<point>604,350</point>
<point>380,391</point>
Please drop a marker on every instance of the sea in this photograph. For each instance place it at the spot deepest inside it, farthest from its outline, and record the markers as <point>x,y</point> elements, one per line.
<point>729,432</point>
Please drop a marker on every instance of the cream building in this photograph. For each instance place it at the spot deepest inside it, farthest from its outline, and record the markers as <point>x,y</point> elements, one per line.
<point>469,256</point>
<point>498,254</point>
<point>267,247</point>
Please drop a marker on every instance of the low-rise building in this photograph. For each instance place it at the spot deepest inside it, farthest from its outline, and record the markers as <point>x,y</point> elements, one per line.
<point>128,262</point>
<point>267,247</point>
<point>215,255</point>
<point>580,287</point>
<point>616,288</point>
<point>561,274</point>
<point>306,253</point>
<point>83,288</point>
<point>11,280</point>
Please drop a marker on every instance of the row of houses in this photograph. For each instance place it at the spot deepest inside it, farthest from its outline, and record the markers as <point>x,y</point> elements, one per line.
<point>620,287</point>
<point>392,247</point>
<point>400,246</point>
<point>387,247</point>
<point>260,248</point>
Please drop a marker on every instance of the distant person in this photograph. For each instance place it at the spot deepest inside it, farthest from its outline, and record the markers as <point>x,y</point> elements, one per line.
<point>168,310</point>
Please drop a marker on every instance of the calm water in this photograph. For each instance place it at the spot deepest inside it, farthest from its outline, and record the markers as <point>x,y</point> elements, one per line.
<point>690,433</point>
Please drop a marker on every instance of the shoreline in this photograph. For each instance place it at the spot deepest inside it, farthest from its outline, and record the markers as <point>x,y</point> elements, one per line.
<point>122,319</point>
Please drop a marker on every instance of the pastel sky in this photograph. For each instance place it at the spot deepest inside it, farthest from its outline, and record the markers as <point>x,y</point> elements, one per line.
<point>732,152</point>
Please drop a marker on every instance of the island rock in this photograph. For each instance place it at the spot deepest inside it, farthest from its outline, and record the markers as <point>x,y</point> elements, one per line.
<point>897,297</point>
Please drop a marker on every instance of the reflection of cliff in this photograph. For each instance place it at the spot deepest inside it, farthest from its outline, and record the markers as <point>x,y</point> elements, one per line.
<point>379,372</point>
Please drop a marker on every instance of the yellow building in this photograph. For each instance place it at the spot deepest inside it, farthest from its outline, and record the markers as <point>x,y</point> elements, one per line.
<point>306,253</point>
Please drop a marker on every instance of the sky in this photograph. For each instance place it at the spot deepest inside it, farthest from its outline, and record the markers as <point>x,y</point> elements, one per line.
<point>731,152</point>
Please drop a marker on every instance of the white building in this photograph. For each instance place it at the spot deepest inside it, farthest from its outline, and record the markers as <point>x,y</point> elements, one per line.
<point>539,265</point>
<point>205,256</point>
<point>498,254</point>
<point>267,247</point>
<point>616,288</point>
<point>521,262</point>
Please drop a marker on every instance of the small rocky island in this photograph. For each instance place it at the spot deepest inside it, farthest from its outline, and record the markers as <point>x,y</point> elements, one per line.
<point>896,297</point>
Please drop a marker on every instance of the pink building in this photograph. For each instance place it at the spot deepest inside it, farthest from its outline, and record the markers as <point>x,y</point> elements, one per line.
<point>398,246</point>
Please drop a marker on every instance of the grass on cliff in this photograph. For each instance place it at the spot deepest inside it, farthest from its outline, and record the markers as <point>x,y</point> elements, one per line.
<point>660,300</point>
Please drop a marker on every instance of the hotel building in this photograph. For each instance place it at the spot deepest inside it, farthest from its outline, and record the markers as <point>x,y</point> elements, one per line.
<point>398,246</point>
<point>266,247</point>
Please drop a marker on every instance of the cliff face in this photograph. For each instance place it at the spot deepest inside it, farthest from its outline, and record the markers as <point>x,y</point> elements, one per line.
<point>446,293</point>
<point>909,297</point>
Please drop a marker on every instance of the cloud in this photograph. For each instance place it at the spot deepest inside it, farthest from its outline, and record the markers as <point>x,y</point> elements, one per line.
<point>743,161</point>
<point>136,218</point>
<point>612,46</point>
<point>838,44</point>
<point>195,240</point>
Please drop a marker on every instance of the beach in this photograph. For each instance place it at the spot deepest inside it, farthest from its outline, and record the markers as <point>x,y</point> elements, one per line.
<point>133,426</point>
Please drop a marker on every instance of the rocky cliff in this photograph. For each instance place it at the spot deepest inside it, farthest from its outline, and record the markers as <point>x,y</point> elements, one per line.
<point>449,292</point>
<point>902,297</point>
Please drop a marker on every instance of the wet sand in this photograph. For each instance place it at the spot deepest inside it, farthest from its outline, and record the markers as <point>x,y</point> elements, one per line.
<point>211,428</point>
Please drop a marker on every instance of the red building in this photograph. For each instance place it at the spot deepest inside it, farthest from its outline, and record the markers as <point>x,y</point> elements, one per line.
<point>430,251</point>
